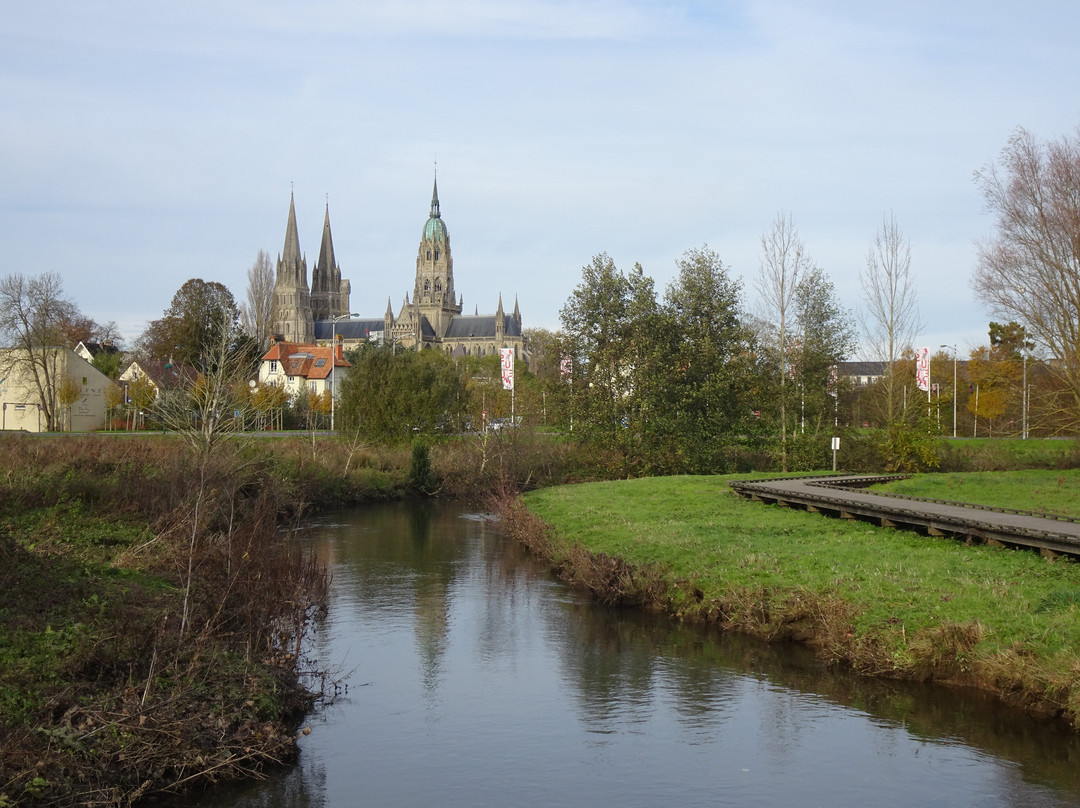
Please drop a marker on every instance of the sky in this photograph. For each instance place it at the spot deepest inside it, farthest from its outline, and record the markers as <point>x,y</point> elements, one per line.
<point>143,144</point>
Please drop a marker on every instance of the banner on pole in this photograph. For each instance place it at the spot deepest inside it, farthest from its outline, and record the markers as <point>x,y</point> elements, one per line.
<point>566,367</point>
<point>507,355</point>
<point>922,368</point>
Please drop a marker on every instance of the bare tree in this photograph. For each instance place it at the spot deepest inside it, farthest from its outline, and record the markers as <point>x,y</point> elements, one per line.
<point>33,314</point>
<point>257,312</point>
<point>205,412</point>
<point>1029,270</point>
<point>890,317</point>
<point>783,261</point>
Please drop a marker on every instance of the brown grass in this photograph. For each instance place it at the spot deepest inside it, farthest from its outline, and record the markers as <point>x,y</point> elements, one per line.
<point>181,659</point>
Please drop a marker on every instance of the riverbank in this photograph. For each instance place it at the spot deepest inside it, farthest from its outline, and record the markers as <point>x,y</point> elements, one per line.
<point>151,613</point>
<point>884,602</point>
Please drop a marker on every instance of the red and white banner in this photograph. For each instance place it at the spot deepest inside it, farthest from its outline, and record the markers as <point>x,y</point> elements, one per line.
<point>922,368</point>
<point>566,367</point>
<point>507,355</point>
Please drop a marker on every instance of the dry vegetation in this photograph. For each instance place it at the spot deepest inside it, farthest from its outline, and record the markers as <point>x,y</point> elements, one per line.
<point>152,614</point>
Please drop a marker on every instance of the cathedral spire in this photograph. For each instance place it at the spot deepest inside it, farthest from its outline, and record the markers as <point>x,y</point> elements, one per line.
<point>326,250</point>
<point>435,199</point>
<point>291,254</point>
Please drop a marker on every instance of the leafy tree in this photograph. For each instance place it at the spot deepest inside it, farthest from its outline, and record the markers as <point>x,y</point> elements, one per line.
<point>608,322</point>
<point>200,320</point>
<point>550,378</point>
<point>141,395</point>
<point>890,317</point>
<point>706,361</point>
<point>114,400</point>
<point>395,397</point>
<point>1028,269</point>
<point>826,335</point>
<point>108,362</point>
<point>422,478</point>
<point>68,392</point>
<point>1011,338</point>
<point>76,327</point>
<point>33,316</point>
<point>997,376</point>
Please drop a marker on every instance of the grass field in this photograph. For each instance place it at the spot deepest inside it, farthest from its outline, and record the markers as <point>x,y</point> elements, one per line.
<point>886,601</point>
<point>1049,491</point>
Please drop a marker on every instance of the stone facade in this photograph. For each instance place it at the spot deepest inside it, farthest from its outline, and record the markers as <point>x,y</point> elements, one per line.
<point>296,307</point>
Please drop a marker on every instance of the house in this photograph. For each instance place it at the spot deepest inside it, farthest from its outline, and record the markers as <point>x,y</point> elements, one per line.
<point>301,368</point>
<point>861,373</point>
<point>159,374</point>
<point>88,350</point>
<point>22,402</point>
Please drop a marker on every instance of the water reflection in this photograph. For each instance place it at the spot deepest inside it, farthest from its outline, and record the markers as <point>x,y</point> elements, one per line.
<point>479,681</point>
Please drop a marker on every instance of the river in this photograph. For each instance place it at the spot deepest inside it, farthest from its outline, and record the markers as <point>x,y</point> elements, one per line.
<point>475,679</point>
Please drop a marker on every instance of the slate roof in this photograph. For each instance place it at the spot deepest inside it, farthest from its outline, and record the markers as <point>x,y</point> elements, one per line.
<point>351,330</point>
<point>480,326</point>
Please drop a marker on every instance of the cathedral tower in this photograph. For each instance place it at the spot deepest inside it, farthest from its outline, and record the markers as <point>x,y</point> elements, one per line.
<point>433,292</point>
<point>329,293</point>
<point>292,299</point>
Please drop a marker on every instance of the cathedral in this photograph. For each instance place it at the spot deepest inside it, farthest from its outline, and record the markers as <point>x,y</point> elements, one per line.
<point>431,319</point>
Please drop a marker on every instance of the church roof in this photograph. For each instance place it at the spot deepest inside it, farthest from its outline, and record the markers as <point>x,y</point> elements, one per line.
<point>351,330</point>
<point>482,326</point>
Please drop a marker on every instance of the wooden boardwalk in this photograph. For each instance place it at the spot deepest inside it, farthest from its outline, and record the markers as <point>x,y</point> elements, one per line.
<point>845,497</point>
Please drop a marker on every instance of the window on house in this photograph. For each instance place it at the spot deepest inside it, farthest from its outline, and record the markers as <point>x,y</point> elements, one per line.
<point>311,386</point>
<point>273,366</point>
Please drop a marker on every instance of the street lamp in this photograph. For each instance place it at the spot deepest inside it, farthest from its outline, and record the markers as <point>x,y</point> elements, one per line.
<point>953,386</point>
<point>333,361</point>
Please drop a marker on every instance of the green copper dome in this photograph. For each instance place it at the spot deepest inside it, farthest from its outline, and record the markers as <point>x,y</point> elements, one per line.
<point>435,229</point>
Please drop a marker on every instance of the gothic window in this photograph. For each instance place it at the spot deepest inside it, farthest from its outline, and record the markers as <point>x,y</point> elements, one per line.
<point>436,255</point>
<point>429,255</point>
<point>427,286</point>
<point>438,285</point>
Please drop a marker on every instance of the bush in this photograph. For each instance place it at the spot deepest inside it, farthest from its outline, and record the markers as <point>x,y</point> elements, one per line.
<point>422,479</point>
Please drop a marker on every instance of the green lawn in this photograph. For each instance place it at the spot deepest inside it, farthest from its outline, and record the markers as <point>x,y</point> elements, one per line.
<point>899,594</point>
<point>1030,490</point>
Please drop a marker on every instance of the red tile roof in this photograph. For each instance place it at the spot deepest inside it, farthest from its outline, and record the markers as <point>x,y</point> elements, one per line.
<point>308,361</point>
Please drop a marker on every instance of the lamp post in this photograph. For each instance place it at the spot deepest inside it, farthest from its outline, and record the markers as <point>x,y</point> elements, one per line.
<point>333,361</point>
<point>1024,393</point>
<point>953,387</point>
